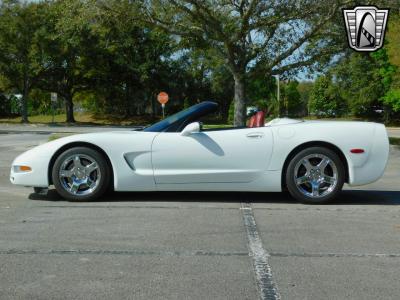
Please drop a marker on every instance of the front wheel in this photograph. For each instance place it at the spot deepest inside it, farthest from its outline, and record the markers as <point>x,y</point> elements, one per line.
<point>315,175</point>
<point>81,174</point>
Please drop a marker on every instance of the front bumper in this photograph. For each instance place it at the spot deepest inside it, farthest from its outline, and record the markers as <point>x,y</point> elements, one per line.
<point>37,177</point>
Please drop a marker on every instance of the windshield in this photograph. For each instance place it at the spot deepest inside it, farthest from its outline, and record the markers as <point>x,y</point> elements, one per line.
<point>175,122</point>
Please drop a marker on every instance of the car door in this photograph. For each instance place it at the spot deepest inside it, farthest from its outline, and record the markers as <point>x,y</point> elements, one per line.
<point>225,156</point>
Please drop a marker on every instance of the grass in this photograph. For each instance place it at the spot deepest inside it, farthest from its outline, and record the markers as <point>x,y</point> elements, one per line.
<point>35,119</point>
<point>206,126</point>
<point>85,119</point>
<point>394,141</point>
<point>55,136</point>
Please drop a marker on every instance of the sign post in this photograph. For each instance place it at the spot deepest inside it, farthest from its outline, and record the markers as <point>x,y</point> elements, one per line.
<point>162,98</point>
<point>53,97</point>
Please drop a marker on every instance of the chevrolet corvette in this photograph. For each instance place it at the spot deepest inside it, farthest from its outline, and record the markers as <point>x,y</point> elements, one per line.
<point>309,159</point>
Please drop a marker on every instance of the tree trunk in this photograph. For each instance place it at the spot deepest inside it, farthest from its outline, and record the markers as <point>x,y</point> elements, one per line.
<point>239,100</point>
<point>24,101</point>
<point>153,103</point>
<point>69,108</point>
<point>128,106</point>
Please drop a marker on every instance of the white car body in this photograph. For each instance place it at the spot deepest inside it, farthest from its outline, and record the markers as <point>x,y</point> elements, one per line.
<point>246,159</point>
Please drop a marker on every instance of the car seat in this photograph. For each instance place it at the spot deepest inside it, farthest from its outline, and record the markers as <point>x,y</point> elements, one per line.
<point>257,120</point>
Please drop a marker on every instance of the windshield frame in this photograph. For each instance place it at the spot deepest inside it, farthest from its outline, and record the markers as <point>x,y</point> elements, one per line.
<point>178,121</point>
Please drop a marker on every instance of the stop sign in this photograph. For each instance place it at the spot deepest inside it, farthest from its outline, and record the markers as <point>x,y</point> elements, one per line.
<point>162,97</point>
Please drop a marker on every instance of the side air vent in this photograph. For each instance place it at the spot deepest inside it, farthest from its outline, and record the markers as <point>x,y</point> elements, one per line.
<point>129,160</point>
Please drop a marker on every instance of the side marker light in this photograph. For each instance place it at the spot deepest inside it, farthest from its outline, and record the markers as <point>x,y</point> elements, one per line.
<point>357,151</point>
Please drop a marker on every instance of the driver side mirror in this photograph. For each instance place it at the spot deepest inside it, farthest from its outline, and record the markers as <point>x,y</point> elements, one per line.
<point>191,128</point>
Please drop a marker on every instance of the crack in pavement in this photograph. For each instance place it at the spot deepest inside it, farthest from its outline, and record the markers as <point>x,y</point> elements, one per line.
<point>133,206</point>
<point>311,255</point>
<point>121,252</point>
<point>189,253</point>
<point>266,285</point>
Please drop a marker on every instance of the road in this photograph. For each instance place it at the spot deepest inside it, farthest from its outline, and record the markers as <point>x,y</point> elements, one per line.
<point>197,245</point>
<point>394,132</point>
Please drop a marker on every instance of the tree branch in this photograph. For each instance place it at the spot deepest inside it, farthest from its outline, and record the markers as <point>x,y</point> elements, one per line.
<point>303,63</point>
<point>305,37</point>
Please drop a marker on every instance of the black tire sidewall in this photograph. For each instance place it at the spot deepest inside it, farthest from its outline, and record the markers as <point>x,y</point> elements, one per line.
<point>103,166</point>
<point>291,184</point>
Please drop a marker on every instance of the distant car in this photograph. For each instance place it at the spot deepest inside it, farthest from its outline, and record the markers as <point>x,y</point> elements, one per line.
<point>310,159</point>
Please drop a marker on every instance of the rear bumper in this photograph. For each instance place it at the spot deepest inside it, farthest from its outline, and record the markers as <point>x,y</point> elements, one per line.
<point>376,161</point>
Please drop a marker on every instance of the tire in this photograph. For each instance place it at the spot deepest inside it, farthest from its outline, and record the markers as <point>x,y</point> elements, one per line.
<point>81,174</point>
<point>315,175</point>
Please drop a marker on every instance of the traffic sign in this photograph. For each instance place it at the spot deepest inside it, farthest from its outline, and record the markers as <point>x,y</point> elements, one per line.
<point>53,97</point>
<point>162,97</point>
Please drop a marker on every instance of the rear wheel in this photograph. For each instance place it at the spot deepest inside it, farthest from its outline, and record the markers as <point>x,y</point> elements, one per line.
<point>315,175</point>
<point>81,174</point>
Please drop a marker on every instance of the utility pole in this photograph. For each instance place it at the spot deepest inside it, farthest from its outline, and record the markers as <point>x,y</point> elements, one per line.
<point>53,97</point>
<point>278,95</point>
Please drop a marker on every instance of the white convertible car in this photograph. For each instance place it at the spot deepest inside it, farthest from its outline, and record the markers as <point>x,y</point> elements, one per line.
<point>310,159</point>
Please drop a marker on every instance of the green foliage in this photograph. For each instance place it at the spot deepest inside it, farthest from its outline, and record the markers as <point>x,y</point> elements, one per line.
<point>367,81</point>
<point>305,88</point>
<point>394,141</point>
<point>325,98</point>
<point>268,37</point>
<point>114,57</point>
<point>20,23</point>
<point>359,82</point>
<point>5,106</point>
<point>231,113</point>
<point>392,99</point>
<point>262,92</point>
<point>292,99</point>
<point>385,69</point>
<point>186,103</point>
<point>392,39</point>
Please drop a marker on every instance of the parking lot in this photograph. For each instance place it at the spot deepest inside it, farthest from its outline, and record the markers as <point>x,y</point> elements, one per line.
<point>198,245</point>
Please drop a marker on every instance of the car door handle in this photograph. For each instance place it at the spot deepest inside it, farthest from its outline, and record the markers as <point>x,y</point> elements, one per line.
<point>255,135</point>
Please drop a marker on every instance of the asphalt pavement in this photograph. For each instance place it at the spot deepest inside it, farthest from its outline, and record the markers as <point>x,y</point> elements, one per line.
<point>197,245</point>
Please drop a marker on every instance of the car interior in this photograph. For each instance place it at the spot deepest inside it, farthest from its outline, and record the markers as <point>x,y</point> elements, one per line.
<point>200,113</point>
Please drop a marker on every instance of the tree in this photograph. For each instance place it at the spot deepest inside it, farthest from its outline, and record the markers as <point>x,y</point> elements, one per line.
<point>280,35</point>
<point>63,47</point>
<point>305,88</point>
<point>292,99</point>
<point>19,25</point>
<point>392,97</point>
<point>387,71</point>
<point>359,82</point>
<point>325,98</point>
<point>261,92</point>
<point>125,63</point>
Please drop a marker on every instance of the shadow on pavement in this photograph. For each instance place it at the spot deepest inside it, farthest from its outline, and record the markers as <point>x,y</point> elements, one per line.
<point>347,197</point>
<point>367,197</point>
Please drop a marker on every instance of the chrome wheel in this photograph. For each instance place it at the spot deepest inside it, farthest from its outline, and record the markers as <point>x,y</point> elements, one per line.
<point>79,174</point>
<point>315,175</point>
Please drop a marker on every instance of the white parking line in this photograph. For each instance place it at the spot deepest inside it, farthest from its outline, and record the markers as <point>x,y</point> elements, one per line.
<point>267,287</point>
